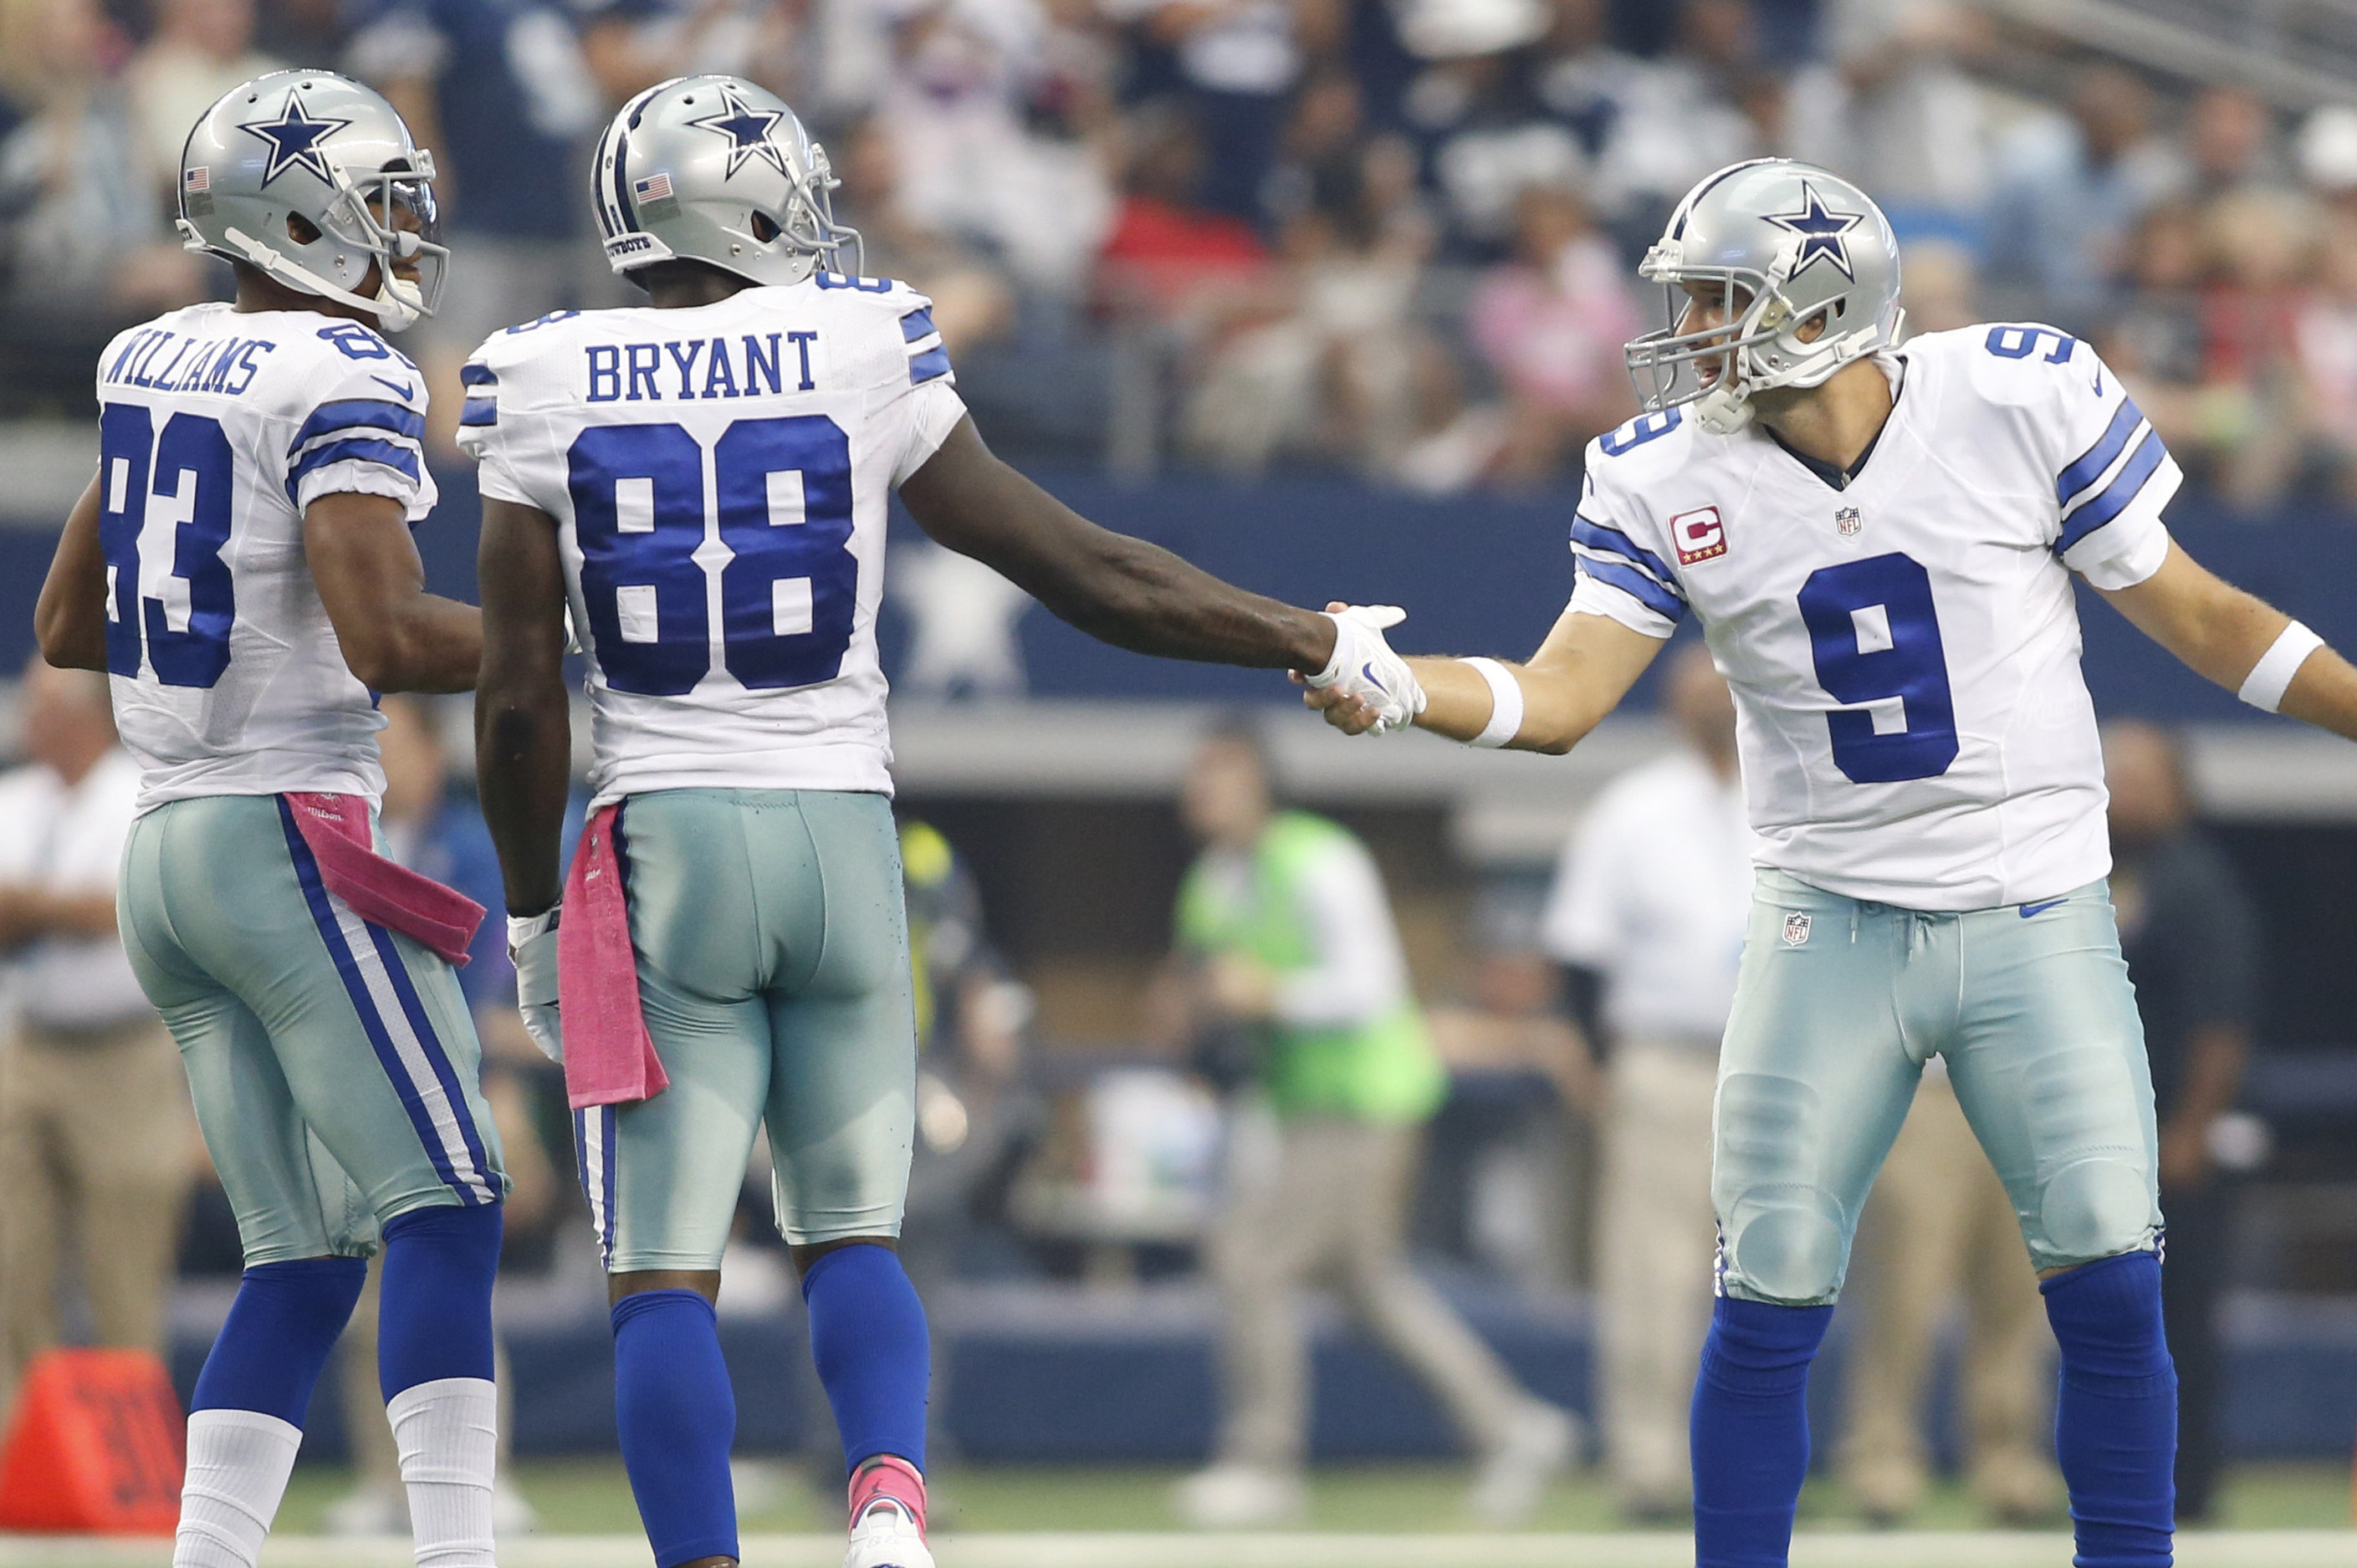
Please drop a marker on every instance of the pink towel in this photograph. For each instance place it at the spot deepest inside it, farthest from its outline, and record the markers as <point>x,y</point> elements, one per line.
<point>608,1058</point>
<point>335,828</point>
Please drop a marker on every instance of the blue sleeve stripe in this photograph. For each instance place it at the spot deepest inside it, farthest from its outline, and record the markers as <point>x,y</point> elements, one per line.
<point>372,413</point>
<point>2124,489</point>
<point>1581,555</point>
<point>1636,584</point>
<point>477,376</point>
<point>355,449</point>
<point>916,324</point>
<point>929,366</point>
<point>2090,465</point>
<point>479,411</point>
<point>1599,536</point>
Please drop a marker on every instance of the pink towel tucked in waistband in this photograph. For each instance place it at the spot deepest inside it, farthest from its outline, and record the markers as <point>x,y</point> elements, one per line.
<point>335,829</point>
<point>608,1058</point>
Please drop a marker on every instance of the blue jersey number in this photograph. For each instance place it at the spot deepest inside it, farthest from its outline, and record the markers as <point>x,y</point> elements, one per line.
<point>1876,634</point>
<point>1640,430</point>
<point>788,594</point>
<point>187,475</point>
<point>2021,342</point>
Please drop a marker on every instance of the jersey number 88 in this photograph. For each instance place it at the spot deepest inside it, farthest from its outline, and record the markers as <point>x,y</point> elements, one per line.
<point>789,590</point>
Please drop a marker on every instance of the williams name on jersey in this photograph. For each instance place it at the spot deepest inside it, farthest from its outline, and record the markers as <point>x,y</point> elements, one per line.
<point>1904,650</point>
<point>720,476</point>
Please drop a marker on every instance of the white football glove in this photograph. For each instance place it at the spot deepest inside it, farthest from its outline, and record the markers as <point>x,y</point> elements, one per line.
<point>532,945</point>
<point>1364,666</point>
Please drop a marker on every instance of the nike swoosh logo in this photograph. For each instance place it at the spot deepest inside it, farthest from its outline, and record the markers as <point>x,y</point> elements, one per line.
<point>2028,910</point>
<point>405,391</point>
<point>1368,670</point>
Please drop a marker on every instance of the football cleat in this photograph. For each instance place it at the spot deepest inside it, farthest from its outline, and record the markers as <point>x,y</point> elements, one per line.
<point>883,1536</point>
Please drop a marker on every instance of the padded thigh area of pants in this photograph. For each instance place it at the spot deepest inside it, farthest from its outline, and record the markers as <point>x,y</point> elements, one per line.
<point>2094,1193</point>
<point>1784,1234</point>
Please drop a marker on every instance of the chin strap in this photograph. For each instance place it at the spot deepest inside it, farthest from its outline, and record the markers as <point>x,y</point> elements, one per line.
<point>397,304</point>
<point>1723,412</point>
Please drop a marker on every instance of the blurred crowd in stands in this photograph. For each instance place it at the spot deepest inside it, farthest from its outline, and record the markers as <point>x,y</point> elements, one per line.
<point>1392,236</point>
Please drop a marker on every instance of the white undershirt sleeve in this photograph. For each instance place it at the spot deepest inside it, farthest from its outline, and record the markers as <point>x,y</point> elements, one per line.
<point>934,410</point>
<point>1357,973</point>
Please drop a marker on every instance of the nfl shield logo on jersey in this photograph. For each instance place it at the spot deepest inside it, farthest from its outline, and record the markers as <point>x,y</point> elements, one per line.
<point>1797,929</point>
<point>1847,522</point>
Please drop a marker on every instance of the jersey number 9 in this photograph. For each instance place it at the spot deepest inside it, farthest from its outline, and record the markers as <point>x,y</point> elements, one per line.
<point>789,590</point>
<point>1876,636</point>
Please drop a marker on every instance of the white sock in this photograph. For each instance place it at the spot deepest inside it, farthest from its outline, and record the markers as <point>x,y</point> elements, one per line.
<point>237,1463</point>
<point>448,1434</point>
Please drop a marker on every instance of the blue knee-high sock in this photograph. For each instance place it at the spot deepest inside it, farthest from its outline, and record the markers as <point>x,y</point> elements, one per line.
<point>677,1415</point>
<point>277,1336</point>
<point>1750,1432</point>
<point>867,1335</point>
<point>435,1321</point>
<point>2116,1423</point>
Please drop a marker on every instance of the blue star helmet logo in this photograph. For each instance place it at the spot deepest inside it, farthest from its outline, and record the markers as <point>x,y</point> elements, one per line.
<point>747,130</point>
<point>1821,232</point>
<point>294,139</point>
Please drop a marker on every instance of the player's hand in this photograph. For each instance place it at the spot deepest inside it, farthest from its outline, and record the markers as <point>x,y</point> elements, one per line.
<point>1352,716</point>
<point>532,944</point>
<point>1377,693</point>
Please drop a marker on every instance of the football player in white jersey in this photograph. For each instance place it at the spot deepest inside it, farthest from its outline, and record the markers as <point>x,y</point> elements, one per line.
<point>1877,540</point>
<point>701,486</point>
<point>243,567</point>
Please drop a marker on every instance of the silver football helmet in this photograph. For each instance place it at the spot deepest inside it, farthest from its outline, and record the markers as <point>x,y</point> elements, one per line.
<point>715,170</point>
<point>1783,244</point>
<point>311,177</point>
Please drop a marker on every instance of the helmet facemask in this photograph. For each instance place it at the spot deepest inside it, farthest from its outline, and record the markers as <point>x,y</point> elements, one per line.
<point>368,213</point>
<point>809,222</point>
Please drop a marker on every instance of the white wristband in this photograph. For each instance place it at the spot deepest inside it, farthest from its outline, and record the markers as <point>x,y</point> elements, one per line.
<point>1505,703</point>
<point>2264,687</point>
<point>521,929</point>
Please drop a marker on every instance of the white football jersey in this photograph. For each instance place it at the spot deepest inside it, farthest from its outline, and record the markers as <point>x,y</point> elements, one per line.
<point>216,430</point>
<point>1904,650</point>
<point>719,476</point>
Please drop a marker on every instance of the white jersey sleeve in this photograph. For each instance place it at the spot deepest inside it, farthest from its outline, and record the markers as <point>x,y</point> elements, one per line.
<point>361,426</point>
<point>720,476</point>
<point>2112,474</point>
<point>1621,547</point>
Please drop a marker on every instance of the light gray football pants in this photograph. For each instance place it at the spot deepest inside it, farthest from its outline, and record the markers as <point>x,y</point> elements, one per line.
<point>1839,1004</point>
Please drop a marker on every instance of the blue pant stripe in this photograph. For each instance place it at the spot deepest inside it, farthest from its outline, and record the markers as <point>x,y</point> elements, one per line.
<point>606,1143</point>
<point>437,1054</point>
<point>323,916</point>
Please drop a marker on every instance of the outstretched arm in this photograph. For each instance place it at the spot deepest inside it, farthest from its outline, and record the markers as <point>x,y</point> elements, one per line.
<point>523,725</point>
<point>1579,674</point>
<point>2222,633</point>
<point>71,619</point>
<point>395,636</point>
<point>1118,589</point>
